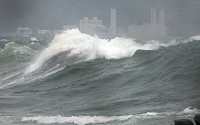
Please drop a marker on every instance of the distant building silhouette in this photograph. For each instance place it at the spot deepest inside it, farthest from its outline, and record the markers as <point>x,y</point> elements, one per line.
<point>113,21</point>
<point>24,31</point>
<point>69,27</point>
<point>92,27</point>
<point>155,30</point>
<point>162,27</point>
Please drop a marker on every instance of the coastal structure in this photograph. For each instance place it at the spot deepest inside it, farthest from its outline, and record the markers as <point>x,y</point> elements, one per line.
<point>54,32</point>
<point>92,27</point>
<point>44,32</point>
<point>96,27</point>
<point>69,27</point>
<point>48,32</point>
<point>161,25</point>
<point>24,31</point>
<point>113,22</point>
<point>155,30</point>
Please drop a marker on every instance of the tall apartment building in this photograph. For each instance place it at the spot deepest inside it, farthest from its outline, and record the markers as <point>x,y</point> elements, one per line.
<point>92,27</point>
<point>113,21</point>
<point>156,30</point>
<point>161,25</point>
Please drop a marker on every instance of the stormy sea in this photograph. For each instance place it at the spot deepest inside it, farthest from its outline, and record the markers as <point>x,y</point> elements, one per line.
<point>78,79</point>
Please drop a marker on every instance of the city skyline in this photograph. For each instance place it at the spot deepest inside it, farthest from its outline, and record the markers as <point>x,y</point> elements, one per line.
<point>155,30</point>
<point>49,14</point>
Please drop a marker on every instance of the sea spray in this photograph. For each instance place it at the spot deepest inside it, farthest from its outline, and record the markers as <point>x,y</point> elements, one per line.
<point>18,52</point>
<point>197,38</point>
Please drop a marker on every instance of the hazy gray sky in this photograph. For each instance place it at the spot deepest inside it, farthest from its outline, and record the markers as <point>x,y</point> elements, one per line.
<point>182,16</point>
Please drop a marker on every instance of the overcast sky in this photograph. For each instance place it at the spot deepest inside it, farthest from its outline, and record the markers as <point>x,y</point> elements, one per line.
<point>182,16</point>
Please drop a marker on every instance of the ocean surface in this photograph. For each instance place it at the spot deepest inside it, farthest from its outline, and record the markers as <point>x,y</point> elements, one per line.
<point>80,79</point>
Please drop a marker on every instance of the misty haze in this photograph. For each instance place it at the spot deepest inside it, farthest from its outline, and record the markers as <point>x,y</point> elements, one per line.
<point>108,62</point>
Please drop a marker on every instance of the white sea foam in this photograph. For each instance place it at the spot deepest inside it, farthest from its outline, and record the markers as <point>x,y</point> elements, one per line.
<point>190,110</point>
<point>91,47</point>
<point>195,38</point>
<point>79,120</point>
<point>83,120</point>
<point>150,114</point>
<point>185,112</point>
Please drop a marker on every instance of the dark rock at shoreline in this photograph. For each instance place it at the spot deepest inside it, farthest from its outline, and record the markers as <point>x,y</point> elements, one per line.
<point>183,122</point>
<point>197,119</point>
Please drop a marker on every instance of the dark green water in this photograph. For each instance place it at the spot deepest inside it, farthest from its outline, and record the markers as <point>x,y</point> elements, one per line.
<point>146,86</point>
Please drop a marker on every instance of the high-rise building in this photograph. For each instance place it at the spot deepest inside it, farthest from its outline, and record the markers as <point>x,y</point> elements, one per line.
<point>154,26</point>
<point>113,21</point>
<point>153,16</point>
<point>155,30</point>
<point>162,27</point>
<point>162,17</point>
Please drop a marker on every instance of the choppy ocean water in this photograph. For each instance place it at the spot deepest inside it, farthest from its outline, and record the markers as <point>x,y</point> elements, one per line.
<point>80,79</point>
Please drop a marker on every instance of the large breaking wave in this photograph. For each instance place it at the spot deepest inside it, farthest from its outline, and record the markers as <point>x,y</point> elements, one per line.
<point>87,47</point>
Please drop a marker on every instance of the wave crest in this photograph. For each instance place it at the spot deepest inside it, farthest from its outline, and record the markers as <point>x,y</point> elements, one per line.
<point>88,47</point>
